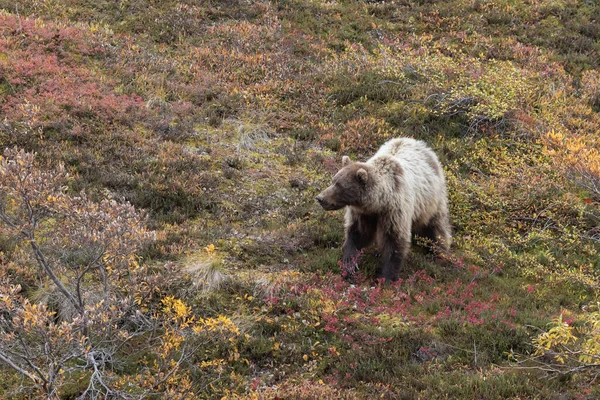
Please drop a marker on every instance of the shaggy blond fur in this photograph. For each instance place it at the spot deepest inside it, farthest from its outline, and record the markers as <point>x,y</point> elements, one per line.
<point>399,192</point>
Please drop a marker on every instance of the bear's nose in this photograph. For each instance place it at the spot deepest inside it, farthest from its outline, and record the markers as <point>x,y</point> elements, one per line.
<point>319,199</point>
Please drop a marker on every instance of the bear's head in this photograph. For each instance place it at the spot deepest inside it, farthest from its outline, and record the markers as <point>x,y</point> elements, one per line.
<point>348,188</point>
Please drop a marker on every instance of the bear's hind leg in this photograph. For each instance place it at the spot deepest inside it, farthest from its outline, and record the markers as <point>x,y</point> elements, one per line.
<point>438,232</point>
<point>360,231</point>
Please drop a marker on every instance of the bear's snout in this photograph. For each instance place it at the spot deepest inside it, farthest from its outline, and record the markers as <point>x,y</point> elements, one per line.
<point>324,201</point>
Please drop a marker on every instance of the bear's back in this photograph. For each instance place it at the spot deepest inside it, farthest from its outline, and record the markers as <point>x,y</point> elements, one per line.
<point>423,184</point>
<point>413,155</point>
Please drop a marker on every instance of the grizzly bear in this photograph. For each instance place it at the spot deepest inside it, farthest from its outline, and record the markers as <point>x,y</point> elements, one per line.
<point>397,193</point>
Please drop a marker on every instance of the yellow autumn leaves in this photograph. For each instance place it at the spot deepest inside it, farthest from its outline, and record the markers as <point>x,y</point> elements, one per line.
<point>181,313</point>
<point>561,339</point>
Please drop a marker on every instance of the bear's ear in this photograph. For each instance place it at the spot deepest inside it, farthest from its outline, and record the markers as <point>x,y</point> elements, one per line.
<point>346,161</point>
<point>362,176</point>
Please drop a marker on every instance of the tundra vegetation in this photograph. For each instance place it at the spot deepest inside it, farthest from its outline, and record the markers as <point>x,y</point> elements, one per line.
<point>159,236</point>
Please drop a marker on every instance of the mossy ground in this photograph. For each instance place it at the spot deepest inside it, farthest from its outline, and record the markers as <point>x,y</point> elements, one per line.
<point>223,120</point>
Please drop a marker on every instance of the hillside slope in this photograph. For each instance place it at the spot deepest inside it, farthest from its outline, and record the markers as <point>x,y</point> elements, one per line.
<point>222,120</point>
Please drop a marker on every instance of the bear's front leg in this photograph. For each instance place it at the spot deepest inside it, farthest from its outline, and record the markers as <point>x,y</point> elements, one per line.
<point>360,231</point>
<point>396,244</point>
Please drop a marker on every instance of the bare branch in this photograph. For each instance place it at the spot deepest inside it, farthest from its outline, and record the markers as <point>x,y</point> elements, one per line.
<point>175,368</point>
<point>28,359</point>
<point>13,365</point>
<point>41,259</point>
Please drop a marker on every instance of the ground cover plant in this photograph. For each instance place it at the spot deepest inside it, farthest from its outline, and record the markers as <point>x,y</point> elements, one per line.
<point>159,236</point>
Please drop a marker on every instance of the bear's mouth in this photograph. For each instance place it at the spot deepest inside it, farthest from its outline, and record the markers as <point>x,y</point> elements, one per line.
<point>326,205</point>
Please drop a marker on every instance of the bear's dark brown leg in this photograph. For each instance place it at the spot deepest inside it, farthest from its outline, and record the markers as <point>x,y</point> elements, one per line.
<point>438,231</point>
<point>394,252</point>
<point>360,232</point>
<point>426,232</point>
